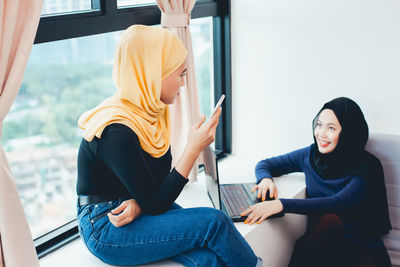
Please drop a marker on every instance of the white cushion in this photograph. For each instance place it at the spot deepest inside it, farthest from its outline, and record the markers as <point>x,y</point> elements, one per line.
<point>387,148</point>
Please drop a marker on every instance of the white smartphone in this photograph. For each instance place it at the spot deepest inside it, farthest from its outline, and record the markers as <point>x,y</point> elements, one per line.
<point>218,105</point>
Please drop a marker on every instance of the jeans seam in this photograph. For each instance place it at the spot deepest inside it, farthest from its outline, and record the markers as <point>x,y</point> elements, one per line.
<point>98,217</point>
<point>83,213</point>
<point>190,259</point>
<point>144,243</point>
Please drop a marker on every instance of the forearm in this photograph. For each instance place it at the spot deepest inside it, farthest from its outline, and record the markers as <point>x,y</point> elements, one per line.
<point>187,160</point>
<point>280,165</point>
<point>346,199</point>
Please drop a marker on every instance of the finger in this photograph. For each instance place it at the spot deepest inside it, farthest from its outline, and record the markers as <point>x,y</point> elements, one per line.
<point>214,120</point>
<point>271,192</point>
<point>114,222</point>
<point>246,212</point>
<point>249,217</point>
<point>254,188</point>
<point>264,193</point>
<point>255,217</point>
<point>276,194</point>
<point>119,209</point>
<point>262,219</point>
<point>125,221</point>
<point>259,192</point>
<point>201,121</point>
<point>114,218</point>
<point>217,113</point>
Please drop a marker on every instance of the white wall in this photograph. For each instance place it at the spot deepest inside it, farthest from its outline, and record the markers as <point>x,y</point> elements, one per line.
<point>289,57</point>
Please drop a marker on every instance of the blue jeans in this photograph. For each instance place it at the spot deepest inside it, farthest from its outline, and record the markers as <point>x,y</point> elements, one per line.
<point>193,237</point>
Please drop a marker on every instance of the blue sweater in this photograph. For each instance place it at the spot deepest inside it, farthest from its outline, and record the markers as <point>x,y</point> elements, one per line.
<point>343,196</point>
<point>337,196</point>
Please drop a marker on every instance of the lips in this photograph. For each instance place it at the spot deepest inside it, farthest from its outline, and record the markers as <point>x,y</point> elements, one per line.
<point>323,143</point>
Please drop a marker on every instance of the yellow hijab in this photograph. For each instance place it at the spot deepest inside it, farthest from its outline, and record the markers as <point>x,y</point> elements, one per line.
<point>144,57</point>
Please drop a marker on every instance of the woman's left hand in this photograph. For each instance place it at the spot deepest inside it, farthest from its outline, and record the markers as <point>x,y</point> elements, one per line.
<point>260,211</point>
<point>125,213</point>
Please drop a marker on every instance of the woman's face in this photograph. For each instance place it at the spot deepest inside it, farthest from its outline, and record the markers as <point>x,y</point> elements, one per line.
<point>327,131</point>
<point>171,85</point>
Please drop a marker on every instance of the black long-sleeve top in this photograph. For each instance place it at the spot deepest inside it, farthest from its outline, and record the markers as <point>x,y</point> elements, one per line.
<point>116,166</point>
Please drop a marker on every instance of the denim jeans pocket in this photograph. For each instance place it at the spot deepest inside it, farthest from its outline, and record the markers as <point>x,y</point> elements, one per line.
<point>98,216</point>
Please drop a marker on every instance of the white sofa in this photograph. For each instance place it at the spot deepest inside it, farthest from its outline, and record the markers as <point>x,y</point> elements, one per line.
<point>387,149</point>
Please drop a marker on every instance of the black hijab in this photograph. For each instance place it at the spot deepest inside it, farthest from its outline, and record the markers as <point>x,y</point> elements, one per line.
<point>349,158</point>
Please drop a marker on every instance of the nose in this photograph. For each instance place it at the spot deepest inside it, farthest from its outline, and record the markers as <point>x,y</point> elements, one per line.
<point>322,132</point>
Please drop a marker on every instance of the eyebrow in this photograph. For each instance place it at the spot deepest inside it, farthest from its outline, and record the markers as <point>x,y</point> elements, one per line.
<point>331,123</point>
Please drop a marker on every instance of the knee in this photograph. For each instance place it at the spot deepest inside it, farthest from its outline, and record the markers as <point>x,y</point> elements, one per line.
<point>199,257</point>
<point>326,226</point>
<point>218,215</point>
<point>213,218</point>
<point>329,221</point>
<point>330,218</point>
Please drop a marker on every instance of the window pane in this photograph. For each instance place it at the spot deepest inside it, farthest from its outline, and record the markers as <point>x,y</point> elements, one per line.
<point>40,133</point>
<point>126,3</point>
<point>63,6</point>
<point>201,30</point>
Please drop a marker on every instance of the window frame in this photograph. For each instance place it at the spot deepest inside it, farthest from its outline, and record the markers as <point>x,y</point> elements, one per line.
<point>105,17</point>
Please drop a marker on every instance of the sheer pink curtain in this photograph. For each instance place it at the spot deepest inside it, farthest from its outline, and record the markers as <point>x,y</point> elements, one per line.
<point>185,111</point>
<point>19,21</point>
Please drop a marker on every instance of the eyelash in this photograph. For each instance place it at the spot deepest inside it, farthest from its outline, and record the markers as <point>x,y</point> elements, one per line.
<point>330,128</point>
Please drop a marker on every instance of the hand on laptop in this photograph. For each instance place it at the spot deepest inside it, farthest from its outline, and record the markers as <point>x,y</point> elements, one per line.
<point>263,187</point>
<point>260,211</point>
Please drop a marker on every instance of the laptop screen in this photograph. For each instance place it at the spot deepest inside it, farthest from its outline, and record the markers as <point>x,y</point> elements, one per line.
<point>211,173</point>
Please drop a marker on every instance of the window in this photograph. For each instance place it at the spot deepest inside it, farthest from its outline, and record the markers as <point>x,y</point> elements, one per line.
<point>68,72</point>
<point>62,6</point>
<point>124,3</point>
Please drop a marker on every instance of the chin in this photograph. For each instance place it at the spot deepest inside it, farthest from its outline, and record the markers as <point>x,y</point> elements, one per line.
<point>324,150</point>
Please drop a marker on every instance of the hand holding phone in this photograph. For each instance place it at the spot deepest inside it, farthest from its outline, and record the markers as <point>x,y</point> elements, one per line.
<point>218,105</point>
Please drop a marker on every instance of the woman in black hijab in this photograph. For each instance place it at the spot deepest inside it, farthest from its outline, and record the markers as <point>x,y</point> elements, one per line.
<point>346,199</point>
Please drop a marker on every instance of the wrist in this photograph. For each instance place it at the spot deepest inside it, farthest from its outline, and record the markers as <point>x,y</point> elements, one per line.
<point>192,151</point>
<point>279,205</point>
<point>185,163</point>
<point>266,180</point>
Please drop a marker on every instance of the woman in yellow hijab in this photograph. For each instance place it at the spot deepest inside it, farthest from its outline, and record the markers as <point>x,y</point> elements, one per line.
<point>126,188</point>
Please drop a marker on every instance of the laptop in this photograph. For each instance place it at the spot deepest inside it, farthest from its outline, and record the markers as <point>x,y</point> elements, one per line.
<point>232,199</point>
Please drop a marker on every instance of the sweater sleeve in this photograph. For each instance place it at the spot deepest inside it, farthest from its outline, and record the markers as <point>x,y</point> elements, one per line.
<point>122,154</point>
<point>284,164</point>
<point>352,194</point>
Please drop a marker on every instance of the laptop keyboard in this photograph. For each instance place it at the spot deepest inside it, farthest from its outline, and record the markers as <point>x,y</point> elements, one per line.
<point>235,199</point>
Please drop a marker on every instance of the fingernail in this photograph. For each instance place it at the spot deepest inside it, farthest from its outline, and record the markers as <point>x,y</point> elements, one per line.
<point>263,199</point>
<point>245,221</point>
<point>258,222</point>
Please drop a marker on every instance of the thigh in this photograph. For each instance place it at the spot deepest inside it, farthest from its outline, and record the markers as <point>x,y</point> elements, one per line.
<point>199,257</point>
<point>151,238</point>
<point>323,244</point>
